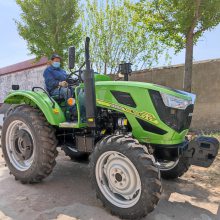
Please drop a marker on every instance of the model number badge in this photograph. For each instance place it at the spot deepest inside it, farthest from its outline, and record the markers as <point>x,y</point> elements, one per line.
<point>142,115</point>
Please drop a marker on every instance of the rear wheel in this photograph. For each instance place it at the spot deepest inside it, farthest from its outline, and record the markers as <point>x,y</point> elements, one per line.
<point>174,169</point>
<point>28,144</point>
<point>125,177</point>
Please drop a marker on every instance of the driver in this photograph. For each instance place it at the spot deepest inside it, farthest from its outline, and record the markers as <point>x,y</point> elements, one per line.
<point>55,79</point>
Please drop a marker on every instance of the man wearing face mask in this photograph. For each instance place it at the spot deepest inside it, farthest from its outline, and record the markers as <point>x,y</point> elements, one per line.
<point>55,79</point>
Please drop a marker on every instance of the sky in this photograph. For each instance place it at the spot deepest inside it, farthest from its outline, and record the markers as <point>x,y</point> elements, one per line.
<point>13,49</point>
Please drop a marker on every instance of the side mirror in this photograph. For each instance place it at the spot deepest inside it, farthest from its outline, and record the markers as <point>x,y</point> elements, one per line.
<point>72,56</point>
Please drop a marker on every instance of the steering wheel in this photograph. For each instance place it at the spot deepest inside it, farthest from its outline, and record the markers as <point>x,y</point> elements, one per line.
<point>69,78</point>
<point>72,82</point>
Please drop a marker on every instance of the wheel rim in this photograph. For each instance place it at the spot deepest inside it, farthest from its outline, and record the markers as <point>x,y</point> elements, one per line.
<point>168,165</point>
<point>118,179</point>
<point>20,145</point>
<point>72,149</point>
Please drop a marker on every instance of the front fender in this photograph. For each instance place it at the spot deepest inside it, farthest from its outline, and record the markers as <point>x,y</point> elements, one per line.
<point>40,100</point>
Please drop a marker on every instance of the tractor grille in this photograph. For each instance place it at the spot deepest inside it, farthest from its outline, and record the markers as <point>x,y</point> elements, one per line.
<point>177,119</point>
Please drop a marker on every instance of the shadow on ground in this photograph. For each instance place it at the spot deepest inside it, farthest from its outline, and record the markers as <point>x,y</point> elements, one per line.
<point>67,194</point>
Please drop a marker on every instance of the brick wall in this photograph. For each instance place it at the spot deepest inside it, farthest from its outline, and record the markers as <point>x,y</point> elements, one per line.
<point>25,74</point>
<point>25,79</point>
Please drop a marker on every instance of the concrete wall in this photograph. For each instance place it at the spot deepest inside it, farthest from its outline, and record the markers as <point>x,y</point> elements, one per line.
<point>206,85</point>
<point>26,79</point>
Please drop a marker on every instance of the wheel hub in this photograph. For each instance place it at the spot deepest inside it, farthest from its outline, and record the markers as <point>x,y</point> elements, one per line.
<point>23,145</point>
<point>20,145</point>
<point>118,179</point>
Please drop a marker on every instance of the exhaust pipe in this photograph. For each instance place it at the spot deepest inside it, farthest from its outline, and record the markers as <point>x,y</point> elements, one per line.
<point>90,96</point>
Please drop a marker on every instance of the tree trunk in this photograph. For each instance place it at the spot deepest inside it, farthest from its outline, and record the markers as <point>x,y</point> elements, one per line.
<point>188,63</point>
<point>105,69</point>
<point>189,49</point>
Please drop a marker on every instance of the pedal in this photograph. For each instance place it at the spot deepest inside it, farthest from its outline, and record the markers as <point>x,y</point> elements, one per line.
<point>68,125</point>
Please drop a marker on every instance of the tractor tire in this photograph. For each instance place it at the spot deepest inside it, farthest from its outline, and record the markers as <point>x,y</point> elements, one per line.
<point>75,155</point>
<point>125,177</point>
<point>9,110</point>
<point>180,167</point>
<point>4,108</point>
<point>28,144</point>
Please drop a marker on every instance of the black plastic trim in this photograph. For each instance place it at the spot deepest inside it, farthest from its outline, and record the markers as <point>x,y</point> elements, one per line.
<point>124,98</point>
<point>150,128</point>
<point>177,119</point>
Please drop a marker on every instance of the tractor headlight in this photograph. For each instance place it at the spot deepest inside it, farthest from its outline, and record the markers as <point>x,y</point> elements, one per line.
<point>174,102</point>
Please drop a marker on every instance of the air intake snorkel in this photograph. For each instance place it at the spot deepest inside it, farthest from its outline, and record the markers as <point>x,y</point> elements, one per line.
<point>90,96</point>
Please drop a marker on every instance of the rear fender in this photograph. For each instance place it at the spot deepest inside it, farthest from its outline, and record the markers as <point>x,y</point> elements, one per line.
<point>40,100</point>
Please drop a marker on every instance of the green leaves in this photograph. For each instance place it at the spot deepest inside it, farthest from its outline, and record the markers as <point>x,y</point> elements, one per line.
<point>178,24</point>
<point>115,38</point>
<point>49,26</point>
<point>172,20</point>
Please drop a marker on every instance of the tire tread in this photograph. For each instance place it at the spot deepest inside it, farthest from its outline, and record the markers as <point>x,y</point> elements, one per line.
<point>48,143</point>
<point>147,170</point>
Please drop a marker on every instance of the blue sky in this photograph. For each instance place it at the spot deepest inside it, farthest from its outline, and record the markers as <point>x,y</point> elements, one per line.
<point>13,48</point>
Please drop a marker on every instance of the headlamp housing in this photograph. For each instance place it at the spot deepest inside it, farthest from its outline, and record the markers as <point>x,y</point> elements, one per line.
<point>175,102</point>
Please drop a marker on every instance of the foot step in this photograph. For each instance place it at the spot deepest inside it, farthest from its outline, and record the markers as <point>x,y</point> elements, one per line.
<point>68,124</point>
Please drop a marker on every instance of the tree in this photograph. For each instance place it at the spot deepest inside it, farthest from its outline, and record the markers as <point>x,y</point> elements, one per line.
<point>179,24</point>
<point>49,26</point>
<point>114,38</point>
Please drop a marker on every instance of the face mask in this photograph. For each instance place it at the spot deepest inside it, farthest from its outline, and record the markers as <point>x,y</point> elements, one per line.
<point>56,64</point>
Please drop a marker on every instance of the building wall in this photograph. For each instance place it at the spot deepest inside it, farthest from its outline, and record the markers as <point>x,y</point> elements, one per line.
<point>205,84</point>
<point>26,79</point>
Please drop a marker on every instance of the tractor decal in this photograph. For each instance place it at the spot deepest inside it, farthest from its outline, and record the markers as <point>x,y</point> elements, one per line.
<point>142,115</point>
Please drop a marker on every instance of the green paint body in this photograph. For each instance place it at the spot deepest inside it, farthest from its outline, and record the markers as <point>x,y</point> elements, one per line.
<point>139,91</point>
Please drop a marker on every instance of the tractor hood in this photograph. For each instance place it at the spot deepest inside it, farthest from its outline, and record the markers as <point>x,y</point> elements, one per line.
<point>152,110</point>
<point>149,86</point>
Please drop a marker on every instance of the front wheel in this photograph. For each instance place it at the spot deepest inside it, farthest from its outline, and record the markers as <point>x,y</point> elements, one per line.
<point>174,169</point>
<point>125,177</point>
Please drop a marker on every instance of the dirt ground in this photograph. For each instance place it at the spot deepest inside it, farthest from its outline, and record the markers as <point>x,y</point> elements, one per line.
<point>67,195</point>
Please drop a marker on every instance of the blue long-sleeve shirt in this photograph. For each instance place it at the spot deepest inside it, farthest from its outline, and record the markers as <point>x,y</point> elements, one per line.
<point>53,76</point>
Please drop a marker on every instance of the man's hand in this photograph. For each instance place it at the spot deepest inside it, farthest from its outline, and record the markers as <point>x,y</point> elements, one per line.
<point>63,84</point>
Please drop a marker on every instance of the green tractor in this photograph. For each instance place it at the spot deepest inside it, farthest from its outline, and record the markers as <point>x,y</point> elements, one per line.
<point>132,132</point>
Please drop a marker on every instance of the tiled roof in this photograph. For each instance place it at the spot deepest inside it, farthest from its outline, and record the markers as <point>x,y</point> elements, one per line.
<point>28,64</point>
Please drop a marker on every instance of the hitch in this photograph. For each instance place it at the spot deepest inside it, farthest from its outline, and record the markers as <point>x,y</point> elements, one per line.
<point>202,151</point>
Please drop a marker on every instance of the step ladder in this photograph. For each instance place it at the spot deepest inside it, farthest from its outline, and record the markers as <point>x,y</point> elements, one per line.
<point>68,125</point>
